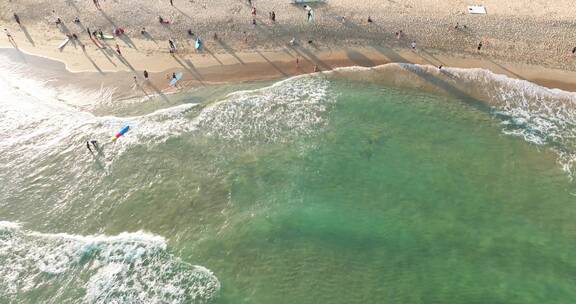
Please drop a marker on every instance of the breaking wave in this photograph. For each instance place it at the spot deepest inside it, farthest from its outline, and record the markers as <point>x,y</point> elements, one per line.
<point>126,268</point>
<point>540,115</point>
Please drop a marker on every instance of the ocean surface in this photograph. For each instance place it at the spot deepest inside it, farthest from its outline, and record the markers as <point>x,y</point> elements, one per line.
<point>396,184</point>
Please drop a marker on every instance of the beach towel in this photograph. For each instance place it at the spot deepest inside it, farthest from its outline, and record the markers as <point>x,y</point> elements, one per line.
<point>477,9</point>
<point>306,1</point>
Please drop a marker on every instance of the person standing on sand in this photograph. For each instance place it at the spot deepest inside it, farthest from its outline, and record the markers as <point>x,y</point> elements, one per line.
<point>58,20</point>
<point>118,49</point>
<point>413,45</point>
<point>273,16</point>
<point>145,75</point>
<point>10,38</point>
<point>17,19</point>
<point>172,2</point>
<point>574,51</point>
<point>479,45</point>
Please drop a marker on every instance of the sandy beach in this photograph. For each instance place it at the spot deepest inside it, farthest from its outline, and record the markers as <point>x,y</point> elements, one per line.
<point>358,152</point>
<point>531,42</point>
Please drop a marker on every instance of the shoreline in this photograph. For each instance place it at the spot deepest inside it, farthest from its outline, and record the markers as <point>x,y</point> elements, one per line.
<point>212,69</point>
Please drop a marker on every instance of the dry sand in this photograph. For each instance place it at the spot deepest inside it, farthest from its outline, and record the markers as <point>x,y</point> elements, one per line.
<point>531,40</point>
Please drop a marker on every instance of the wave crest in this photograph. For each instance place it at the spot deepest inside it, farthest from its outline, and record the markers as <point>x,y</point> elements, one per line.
<point>126,268</point>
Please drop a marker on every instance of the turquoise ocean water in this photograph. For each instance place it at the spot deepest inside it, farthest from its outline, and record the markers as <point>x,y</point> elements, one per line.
<point>399,184</point>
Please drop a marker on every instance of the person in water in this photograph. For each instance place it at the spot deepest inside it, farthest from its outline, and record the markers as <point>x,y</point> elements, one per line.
<point>94,144</point>
<point>88,146</point>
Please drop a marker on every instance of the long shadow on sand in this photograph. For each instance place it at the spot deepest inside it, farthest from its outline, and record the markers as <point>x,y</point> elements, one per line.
<point>187,64</point>
<point>272,64</point>
<point>92,62</point>
<point>229,50</point>
<point>27,34</point>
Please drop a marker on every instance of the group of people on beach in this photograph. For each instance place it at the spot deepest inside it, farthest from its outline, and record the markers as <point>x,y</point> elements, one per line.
<point>172,44</point>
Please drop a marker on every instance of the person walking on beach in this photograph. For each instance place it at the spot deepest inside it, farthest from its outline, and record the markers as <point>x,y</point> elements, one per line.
<point>145,75</point>
<point>273,16</point>
<point>172,46</point>
<point>118,49</point>
<point>89,33</point>
<point>97,4</point>
<point>413,45</point>
<point>58,20</point>
<point>10,38</point>
<point>17,19</point>
<point>479,45</point>
<point>172,2</point>
<point>574,51</point>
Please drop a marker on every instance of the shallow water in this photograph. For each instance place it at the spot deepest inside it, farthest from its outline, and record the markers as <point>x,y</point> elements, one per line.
<point>340,188</point>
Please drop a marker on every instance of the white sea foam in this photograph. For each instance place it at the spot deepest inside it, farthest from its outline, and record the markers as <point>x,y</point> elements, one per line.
<point>540,115</point>
<point>126,268</point>
<point>296,106</point>
<point>35,126</point>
